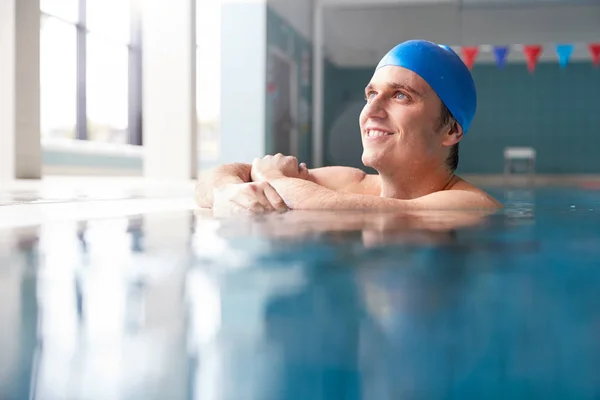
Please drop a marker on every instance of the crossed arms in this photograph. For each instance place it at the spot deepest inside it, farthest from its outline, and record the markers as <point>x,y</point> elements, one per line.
<point>278,183</point>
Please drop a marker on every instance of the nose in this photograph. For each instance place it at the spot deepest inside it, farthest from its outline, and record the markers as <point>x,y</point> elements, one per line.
<point>375,108</point>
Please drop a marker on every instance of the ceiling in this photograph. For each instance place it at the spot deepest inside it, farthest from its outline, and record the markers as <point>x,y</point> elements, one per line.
<point>356,35</point>
<point>464,3</point>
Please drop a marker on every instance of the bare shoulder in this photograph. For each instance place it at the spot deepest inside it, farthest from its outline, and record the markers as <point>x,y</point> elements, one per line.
<point>346,180</point>
<point>464,186</point>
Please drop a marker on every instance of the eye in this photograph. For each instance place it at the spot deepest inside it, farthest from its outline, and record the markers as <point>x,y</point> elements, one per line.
<point>400,96</point>
<point>370,95</point>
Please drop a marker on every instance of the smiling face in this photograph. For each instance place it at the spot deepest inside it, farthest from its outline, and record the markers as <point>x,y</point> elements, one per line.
<point>400,123</point>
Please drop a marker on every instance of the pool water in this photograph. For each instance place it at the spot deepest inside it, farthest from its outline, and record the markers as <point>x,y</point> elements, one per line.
<point>307,305</point>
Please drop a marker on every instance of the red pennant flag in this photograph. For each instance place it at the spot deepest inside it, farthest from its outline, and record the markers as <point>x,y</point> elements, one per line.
<point>469,55</point>
<point>595,52</point>
<point>532,54</point>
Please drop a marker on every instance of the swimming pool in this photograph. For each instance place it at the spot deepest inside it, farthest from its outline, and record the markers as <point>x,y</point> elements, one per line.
<point>316,305</point>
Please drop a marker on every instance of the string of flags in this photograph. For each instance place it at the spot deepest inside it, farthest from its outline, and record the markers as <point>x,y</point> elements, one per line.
<point>532,53</point>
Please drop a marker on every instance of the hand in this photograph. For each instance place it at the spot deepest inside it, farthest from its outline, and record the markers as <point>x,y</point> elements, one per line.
<point>277,166</point>
<point>253,197</point>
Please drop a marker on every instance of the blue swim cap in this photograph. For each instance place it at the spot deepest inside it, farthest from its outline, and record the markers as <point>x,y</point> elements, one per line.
<point>443,70</point>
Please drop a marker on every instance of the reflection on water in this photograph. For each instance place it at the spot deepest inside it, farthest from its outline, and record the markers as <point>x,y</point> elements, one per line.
<point>305,305</point>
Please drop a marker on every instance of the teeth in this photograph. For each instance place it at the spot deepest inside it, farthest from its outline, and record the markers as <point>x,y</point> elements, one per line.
<point>376,133</point>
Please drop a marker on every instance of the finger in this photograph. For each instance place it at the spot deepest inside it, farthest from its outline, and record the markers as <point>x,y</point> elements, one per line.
<point>260,195</point>
<point>253,204</point>
<point>275,199</point>
<point>255,199</point>
<point>293,161</point>
<point>258,208</point>
<point>303,172</point>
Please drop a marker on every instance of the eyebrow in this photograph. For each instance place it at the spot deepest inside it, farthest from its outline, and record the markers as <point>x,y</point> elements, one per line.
<point>396,86</point>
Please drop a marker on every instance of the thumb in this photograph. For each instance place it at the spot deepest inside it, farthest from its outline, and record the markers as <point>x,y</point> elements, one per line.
<point>302,169</point>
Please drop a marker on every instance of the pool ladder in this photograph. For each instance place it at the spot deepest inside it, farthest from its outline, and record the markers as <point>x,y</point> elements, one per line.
<point>519,165</point>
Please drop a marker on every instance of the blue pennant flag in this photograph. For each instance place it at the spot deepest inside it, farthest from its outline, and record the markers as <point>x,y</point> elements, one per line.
<point>500,53</point>
<point>564,52</point>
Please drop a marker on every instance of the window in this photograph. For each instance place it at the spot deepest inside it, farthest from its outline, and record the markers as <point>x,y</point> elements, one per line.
<point>91,70</point>
<point>58,78</point>
<point>107,108</point>
<point>110,18</point>
<point>67,10</point>
<point>208,81</point>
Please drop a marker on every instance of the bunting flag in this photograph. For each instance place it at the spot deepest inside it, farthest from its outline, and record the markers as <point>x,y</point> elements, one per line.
<point>500,54</point>
<point>595,52</point>
<point>469,55</point>
<point>532,54</point>
<point>564,52</point>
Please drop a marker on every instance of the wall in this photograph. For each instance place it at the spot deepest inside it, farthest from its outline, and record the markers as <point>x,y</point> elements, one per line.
<point>344,98</point>
<point>82,157</point>
<point>350,44</point>
<point>20,155</point>
<point>287,40</point>
<point>169,90</point>
<point>243,66</point>
<point>553,110</point>
<point>298,15</point>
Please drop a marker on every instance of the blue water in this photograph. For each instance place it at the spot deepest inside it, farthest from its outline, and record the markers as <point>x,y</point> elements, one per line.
<point>303,305</point>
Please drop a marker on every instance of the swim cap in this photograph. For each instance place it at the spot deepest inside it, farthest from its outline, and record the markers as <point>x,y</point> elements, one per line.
<point>443,70</point>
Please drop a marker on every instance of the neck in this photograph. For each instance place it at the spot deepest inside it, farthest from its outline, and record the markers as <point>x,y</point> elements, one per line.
<point>412,184</point>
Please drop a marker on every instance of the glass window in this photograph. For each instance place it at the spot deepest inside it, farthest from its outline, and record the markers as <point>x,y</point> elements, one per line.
<point>107,90</point>
<point>65,9</point>
<point>58,78</point>
<point>208,79</point>
<point>110,18</point>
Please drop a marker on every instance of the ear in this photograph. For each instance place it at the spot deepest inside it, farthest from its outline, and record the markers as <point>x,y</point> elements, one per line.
<point>453,133</point>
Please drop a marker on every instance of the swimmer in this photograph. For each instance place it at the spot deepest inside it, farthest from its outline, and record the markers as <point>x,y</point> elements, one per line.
<point>419,105</point>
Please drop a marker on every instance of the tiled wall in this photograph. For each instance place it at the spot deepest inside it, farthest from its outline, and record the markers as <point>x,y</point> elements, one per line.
<point>283,37</point>
<point>554,110</point>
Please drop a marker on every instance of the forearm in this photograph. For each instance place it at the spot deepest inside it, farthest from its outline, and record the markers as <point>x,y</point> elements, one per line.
<point>223,175</point>
<point>305,195</point>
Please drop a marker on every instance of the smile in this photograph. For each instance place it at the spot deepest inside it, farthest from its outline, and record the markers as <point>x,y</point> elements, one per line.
<point>375,133</point>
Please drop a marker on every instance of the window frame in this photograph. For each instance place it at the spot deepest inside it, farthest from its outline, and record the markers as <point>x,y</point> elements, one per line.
<point>134,47</point>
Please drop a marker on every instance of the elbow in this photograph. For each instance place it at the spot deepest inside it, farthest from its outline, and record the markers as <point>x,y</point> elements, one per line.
<point>201,197</point>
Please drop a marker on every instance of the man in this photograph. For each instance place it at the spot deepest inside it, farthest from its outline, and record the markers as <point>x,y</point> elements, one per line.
<point>419,105</point>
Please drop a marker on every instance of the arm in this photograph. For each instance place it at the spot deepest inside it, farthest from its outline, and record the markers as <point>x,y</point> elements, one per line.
<point>310,196</point>
<point>223,175</point>
<point>339,179</point>
<point>345,180</point>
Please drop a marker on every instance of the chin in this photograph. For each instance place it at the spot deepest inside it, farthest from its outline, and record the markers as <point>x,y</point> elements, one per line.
<point>370,159</point>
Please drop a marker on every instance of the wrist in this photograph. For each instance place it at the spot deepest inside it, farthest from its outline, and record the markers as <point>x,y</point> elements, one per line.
<point>268,176</point>
<point>275,175</point>
<point>230,180</point>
